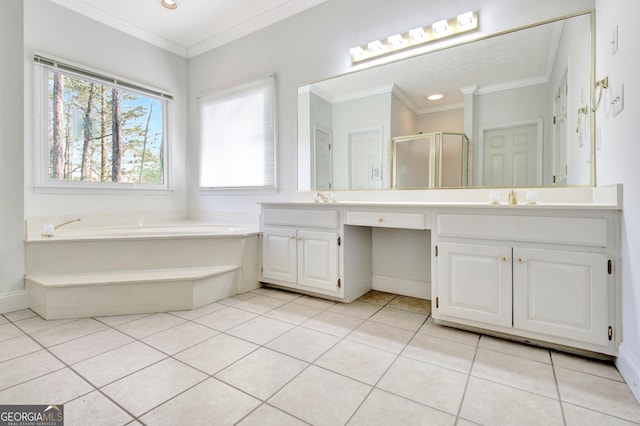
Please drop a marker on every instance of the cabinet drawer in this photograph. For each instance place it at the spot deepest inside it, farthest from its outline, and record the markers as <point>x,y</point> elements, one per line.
<point>312,218</point>
<point>558,230</point>
<point>385,219</point>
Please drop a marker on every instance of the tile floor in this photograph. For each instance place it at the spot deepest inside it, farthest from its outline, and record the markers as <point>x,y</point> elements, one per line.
<point>271,357</point>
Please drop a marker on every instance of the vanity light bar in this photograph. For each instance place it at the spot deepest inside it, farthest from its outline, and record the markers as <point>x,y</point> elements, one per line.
<point>418,36</point>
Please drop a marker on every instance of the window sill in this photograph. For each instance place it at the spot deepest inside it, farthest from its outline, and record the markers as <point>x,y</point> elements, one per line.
<point>95,190</point>
<point>238,191</point>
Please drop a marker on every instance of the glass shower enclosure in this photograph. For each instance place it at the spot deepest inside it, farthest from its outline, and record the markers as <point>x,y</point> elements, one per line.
<point>431,160</point>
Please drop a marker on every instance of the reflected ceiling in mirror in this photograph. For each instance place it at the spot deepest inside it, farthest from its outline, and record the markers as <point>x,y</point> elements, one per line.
<point>516,96</point>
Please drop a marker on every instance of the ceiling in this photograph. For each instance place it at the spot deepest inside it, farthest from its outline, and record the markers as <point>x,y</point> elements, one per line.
<point>196,26</point>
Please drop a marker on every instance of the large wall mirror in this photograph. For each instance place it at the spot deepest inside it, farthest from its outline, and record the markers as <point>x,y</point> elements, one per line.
<point>519,103</point>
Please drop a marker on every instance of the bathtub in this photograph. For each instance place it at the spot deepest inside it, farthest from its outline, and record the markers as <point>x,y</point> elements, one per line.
<point>138,269</point>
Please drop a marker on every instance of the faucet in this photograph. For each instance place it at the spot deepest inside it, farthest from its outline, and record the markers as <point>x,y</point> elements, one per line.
<point>323,197</point>
<point>49,230</point>
<point>66,223</point>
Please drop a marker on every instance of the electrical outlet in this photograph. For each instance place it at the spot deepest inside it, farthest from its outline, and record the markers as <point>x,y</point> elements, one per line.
<point>614,40</point>
<point>617,99</point>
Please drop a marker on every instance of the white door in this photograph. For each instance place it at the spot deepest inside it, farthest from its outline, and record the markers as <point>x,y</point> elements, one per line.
<point>562,293</point>
<point>318,260</point>
<point>474,282</point>
<point>279,254</point>
<point>323,163</point>
<point>510,156</point>
<point>365,159</point>
<point>560,134</point>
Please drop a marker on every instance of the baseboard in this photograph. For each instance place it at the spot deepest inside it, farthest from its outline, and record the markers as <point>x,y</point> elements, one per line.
<point>629,366</point>
<point>405,287</point>
<point>14,301</point>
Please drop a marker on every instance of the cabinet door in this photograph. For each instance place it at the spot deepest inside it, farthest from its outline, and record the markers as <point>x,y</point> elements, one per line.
<point>474,282</point>
<point>279,254</point>
<point>318,259</point>
<point>561,293</point>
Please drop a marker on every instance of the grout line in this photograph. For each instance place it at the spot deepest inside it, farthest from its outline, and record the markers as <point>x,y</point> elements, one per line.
<point>555,378</point>
<point>466,385</point>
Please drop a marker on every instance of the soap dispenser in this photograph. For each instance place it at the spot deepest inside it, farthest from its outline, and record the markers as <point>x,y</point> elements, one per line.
<point>513,197</point>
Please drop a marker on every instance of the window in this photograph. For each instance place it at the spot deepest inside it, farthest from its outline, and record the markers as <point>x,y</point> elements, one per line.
<point>237,137</point>
<point>100,131</point>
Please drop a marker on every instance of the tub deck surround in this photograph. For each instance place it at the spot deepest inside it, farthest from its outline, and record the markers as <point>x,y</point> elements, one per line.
<point>545,272</point>
<point>80,295</point>
<point>115,270</point>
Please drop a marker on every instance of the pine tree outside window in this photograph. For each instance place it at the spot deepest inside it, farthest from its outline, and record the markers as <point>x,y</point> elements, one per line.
<point>100,131</point>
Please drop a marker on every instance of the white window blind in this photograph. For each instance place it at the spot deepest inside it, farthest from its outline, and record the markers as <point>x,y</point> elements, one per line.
<point>237,136</point>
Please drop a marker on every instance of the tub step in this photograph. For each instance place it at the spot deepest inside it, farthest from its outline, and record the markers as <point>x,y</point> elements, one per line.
<point>89,294</point>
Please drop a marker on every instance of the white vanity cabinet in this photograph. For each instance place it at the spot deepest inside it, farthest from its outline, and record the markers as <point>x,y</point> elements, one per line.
<point>545,278</point>
<point>301,248</point>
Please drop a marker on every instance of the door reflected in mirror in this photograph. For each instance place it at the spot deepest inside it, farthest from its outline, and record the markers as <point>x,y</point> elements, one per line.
<point>517,97</point>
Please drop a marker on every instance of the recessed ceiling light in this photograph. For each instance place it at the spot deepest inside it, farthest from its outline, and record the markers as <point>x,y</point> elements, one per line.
<point>169,4</point>
<point>436,96</point>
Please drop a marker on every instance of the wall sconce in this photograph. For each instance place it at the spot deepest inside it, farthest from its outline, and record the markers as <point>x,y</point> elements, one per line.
<point>418,36</point>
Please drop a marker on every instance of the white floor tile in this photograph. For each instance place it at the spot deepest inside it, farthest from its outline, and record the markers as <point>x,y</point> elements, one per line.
<point>58,387</point>
<point>303,343</point>
<point>208,403</point>
<point>382,409</point>
<point>149,325</point>
<point>266,415</point>
<point>510,370</point>
<point>17,346</point>
<point>179,338</point>
<point>293,313</point>
<point>591,366</point>
<point>444,353</point>
<point>27,367</point>
<point>411,321</point>
<point>262,372</point>
<point>216,353</point>
<point>321,397</point>
<point>330,323</point>
<point>148,388</point>
<point>381,336</point>
<point>425,383</point>
<point>260,330</point>
<point>580,416</point>
<point>515,348</point>
<point>490,403</point>
<point>65,332</point>
<point>94,409</point>
<point>357,361</point>
<point>226,318</point>
<point>115,364</point>
<point>89,346</point>
<point>449,333</point>
<point>20,315</point>
<point>9,331</point>
<point>596,393</point>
